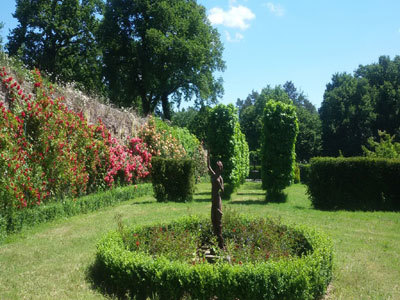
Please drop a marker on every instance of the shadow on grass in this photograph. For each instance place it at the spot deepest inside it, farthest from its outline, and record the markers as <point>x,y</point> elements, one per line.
<point>202,199</point>
<point>249,202</point>
<point>203,193</point>
<point>301,207</point>
<point>144,202</point>
<point>97,280</point>
<point>276,197</point>
<point>251,194</point>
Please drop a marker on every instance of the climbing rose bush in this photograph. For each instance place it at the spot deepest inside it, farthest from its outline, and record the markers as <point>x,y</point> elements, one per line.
<point>49,152</point>
<point>160,142</point>
<point>128,164</point>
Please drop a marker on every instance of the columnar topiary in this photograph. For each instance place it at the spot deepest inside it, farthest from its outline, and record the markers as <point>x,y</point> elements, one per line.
<point>228,144</point>
<point>280,128</point>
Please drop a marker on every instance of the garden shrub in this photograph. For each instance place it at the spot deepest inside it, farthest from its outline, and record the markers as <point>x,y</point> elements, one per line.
<point>193,147</point>
<point>356,183</point>
<point>173,179</point>
<point>228,144</point>
<point>280,128</point>
<point>173,142</point>
<point>125,268</point>
<point>12,221</point>
<point>48,152</point>
<point>128,164</point>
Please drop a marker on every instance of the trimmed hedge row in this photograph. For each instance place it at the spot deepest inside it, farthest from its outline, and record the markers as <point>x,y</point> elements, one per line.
<point>14,221</point>
<point>356,183</point>
<point>140,275</point>
<point>173,179</point>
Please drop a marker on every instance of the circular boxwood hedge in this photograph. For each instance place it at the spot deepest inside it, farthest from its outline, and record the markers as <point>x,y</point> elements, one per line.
<point>126,269</point>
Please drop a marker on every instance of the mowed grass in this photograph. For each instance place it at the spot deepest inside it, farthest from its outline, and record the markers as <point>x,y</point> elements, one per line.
<point>51,261</point>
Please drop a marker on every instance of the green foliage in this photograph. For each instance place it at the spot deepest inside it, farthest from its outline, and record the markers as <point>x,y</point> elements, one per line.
<point>386,148</point>
<point>308,142</point>
<point>15,221</point>
<point>304,172</point>
<point>347,115</point>
<point>280,128</point>
<point>384,78</point>
<point>228,144</point>
<point>173,180</point>
<point>194,120</point>
<point>59,38</point>
<point>356,106</point>
<point>251,112</point>
<point>161,51</point>
<point>199,124</point>
<point>174,142</point>
<point>141,275</point>
<point>184,117</point>
<point>296,177</point>
<point>357,183</point>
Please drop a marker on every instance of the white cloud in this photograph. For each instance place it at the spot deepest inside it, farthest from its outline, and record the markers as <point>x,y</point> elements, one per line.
<point>236,17</point>
<point>237,38</point>
<point>275,9</point>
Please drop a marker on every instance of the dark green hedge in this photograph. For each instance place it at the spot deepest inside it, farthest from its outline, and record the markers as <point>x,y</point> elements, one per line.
<point>357,183</point>
<point>304,172</point>
<point>14,221</point>
<point>173,180</point>
<point>123,272</point>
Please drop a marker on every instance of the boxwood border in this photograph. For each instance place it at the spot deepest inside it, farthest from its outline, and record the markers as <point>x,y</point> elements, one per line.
<point>137,274</point>
<point>14,221</point>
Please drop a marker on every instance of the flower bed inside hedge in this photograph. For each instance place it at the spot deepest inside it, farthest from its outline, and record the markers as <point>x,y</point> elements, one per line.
<point>262,260</point>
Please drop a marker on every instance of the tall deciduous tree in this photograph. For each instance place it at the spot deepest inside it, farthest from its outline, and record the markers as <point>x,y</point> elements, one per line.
<point>280,128</point>
<point>308,142</point>
<point>347,115</point>
<point>59,38</point>
<point>384,76</point>
<point>357,107</point>
<point>161,51</point>
<point>251,112</point>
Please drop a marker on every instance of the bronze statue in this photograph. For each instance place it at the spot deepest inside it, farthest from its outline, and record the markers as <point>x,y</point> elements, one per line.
<point>217,185</point>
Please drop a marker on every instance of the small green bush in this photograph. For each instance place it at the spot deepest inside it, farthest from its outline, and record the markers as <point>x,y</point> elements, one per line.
<point>356,183</point>
<point>12,221</point>
<point>173,179</point>
<point>141,275</point>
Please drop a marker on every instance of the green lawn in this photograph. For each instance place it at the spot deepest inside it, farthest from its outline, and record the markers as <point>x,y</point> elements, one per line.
<point>51,261</point>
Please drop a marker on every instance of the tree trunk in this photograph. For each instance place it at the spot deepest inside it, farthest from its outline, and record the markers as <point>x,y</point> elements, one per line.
<point>166,106</point>
<point>146,106</point>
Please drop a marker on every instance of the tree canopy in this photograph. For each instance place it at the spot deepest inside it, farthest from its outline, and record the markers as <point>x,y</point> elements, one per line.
<point>308,142</point>
<point>356,107</point>
<point>59,38</point>
<point>161,52</point>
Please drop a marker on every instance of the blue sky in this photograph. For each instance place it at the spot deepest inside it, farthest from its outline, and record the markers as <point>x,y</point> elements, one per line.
<point>305,41</point>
